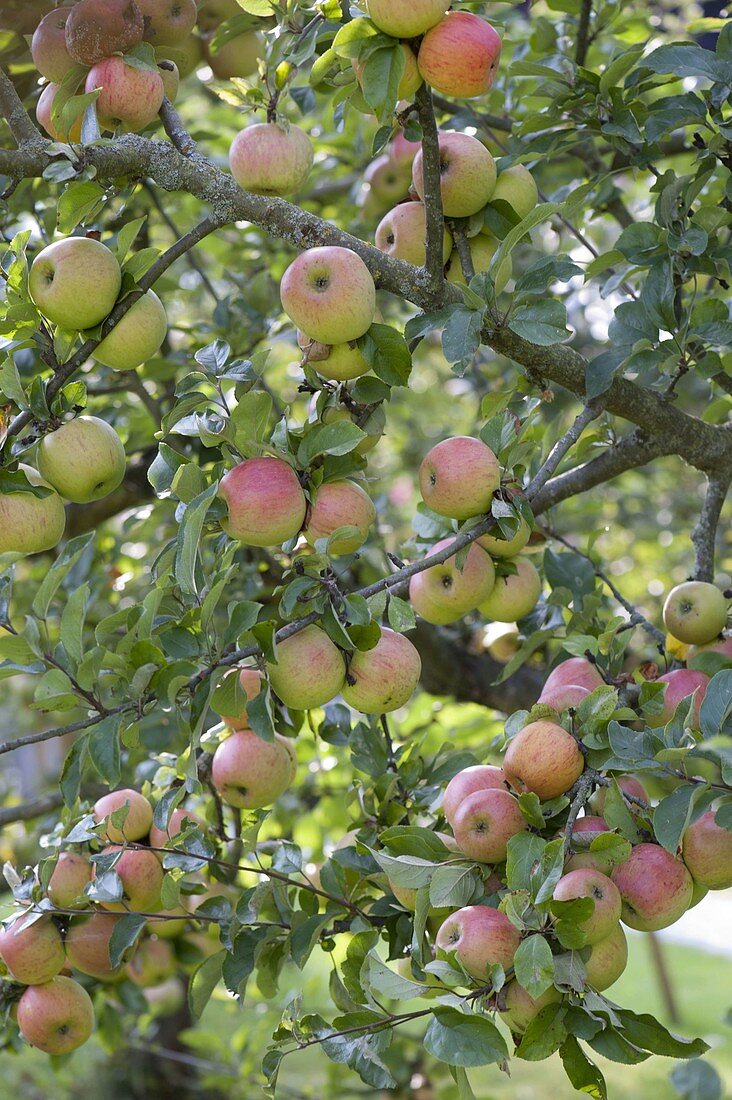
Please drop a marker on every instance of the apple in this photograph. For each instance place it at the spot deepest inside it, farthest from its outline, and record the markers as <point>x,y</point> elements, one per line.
<point>608,959</point>
<point>563,696</point>
<point>707,852</point>
<point>138,822</point>
<point>405,18</point>
<point>130,98</point>
<point>142,878</point>
<point>479,777</point>
<point>501,641</point>
<point>576,670</point>
<point>170,76</point>
<point>75,282</point>
<point>723,646</point>
<point>587,828</point>
<point>68,880</point>
<point>586,883</point>
<point>249,772</point>
<point>373,426</point>
<point>387,180</point>
<point>516,187</point>
<point>310,669</point>
<point>265,500</point>
<point>385,677</point>
<point>57,1016</point>
<point>444,593</point>
<point>458,477</point>
<point>87,945</point>
<point>521,1007</point>
<point>484,823</point>
<point>467,174</point>
<point>543,758</point>
<point>459,57</point>
<point>30,524</point>
<point>187,55</point>
<point>681,683</point>
<point>337,504</point>
<point>162,838</point>
<point>270,160</point>
<point>152,963</point>
<point>514,595</point>
<point>337,362</point>
<point>627,783</point>
<point>329,294</point>
<point>499,547</point>
<point>165,999</point>
<point>211,13</point>
<point>401,233</point>
<point>480,938</point>
<point>402,151</point>
<point>48,46</point>
<point>44,111</point>
<point>482,250</point>
<point>137,337</point>
<point>656,888</point>
<point>251,680</point>
<point>167,21</point>
<point>83,460</point>
<point>33,953</point>
<point>410,78</point>
<point>238,57</point>
<point>96,29</point>
<point>695,612</point>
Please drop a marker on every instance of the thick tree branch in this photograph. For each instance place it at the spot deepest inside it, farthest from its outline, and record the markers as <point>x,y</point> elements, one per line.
<point>431,173</point>
<point>15,114</point>
<point>28,811</point>
<point>704,534</point>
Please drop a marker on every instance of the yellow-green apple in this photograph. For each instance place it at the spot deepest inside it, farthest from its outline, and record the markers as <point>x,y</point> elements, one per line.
<point>237,57</point>
<point>410,78</point>
<point>44,115</point>
<point>608,959</point>
<point>695,612</point>
<point>167,998</point>
<point>33,953</point>
<point>479,777</point>
<point>698,894</point>
<point>172,923</point>
<point>514,595</point>
<point>387,180</point>
<point>485,821</point>
<point>167,21</point>
<point>707,852</point>
<point>459,56</point>
<point>374,426</point>
<point>265,501</point>
<point>310,669</point>
<point>576,670</point>
<point>152,962</point>
<point>563,696</point>
<point>96,29</point>
<point>405,18</point>
<point>328,292</point>
<point>337,362</point>
<point>402,151</point>
<point>141,875</point>
<point>83,460</point>
<point>543,758</point>
<point>130,97</point>
<point>444,593</point>
<point>479,937</point>
<point>137,337</point>
<point>56,1017</point>
<point>587,883</point>
<point>501,641</point>
<point>87,945</point>
<point>251,680</point>
<point>30,524</point>
<point>48,46</point>
<point>213,12</point>
<point>337,504</point>
<point>75,282</point>
<point>70,876</point>
<point>139,817</point>
<point>521,1007</point>
<point>516,187</point>
<point>499,547</point>
<point>271,160</point>
<point>655,887</point>
<point>467,174</point>
<point>482,250</point>
<point>384,678</point>
<point>401,233</point>
<point>627,783</point>
<point>186,55</point>
<point>681,684</point>
<point>170,76</point>
<point>458,477</point>
<point>249,772</point>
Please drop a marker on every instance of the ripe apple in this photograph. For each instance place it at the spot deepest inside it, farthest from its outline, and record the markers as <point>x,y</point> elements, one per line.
<point>83,460</point>
<point>385,676</point>
<point>695,612</point>
<point>482,250</point>
<point>75,282</point>
<point>521,1007</point>
<point>627,783</point>
<point>656,888</point>
<point>458,477</point>
<point>586,883</point>
<point>479,777</point>
<point>723,646</point>
<point>405,18</point>
<point>459,57</point>
<point>270,160</point>
<point>162,838</point>
<point>337,504</point>
<point>310,669</point>
<point>187,55</point>
<point>479,937</point>
<point>70,876</point>
<point>57,1016</point>
<point>444,593</point>
<point>329,294</point>
<point>142,877</point>
<point>337,362</point>
<point>514,595</point>
<point>167,21</point>
<point>410,79</point>
<point>707,852</point>
<point>251,680</point>
<point>96,29</point>
<point>563,696</point>
<point>387,180</point>
<point>265,500</point>
<point>576,670</point>
<point>467,174</point>
<point>44,110</point>
<point>170,76</point>
<point>32,954</point>
<point>681,683</point>
<point>87,945</point>
<point>484,823</point>
<point>130,98</point>
<point>237,57</point>
<point>30,524</point>
<point>137,337</point>
<point>152,962</point>
<point>249,772</point>
<point>516,186</point>
<point>608,959</point>
<point>401,233</point>
<point>543,758</point>
<point>48,46</point>
<point>138,822</point>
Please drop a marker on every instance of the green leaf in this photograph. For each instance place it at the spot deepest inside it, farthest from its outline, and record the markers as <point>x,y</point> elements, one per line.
<point>382,73</point>
<point>583,1074</point>
<point>543,322</point>
<point>683,59</point>
<point>717,704</point>
<point>203,982</point>
<point>697,1080</point>
<point>453,887</point>
<point>544,1035</point>
<point>460,1040</point>
<point>50,584</point>
<point>534,965</point>
<point>524,851</point>
<point>539,214</point>
<point>400,614</point>
<point>329,439</point>
<point>104,749</point>
<point>646,1032</point>
<point>386,352</point>
<point>72,622</point>
<point>79,202</point>
<point>672,815</point>
<point>378,977</point>
<point>126,932</point>
<point>189,536</point>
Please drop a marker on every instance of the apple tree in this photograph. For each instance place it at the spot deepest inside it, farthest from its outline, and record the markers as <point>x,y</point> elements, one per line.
<point>363,369</point>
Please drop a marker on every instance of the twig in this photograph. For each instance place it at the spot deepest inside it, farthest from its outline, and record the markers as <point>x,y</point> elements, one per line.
<point>463,250</point>
<point>176,131</point>
<point>582,791</point>
<point>59,731</point>
<point>560,448</point>
<point>704,533</point>
<point>496,122</point>
<point>583,32</point>
<point>435,222</point>
<point>190,257</point>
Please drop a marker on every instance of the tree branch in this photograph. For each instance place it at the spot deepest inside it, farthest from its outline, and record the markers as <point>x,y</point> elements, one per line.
<point>435,222</point>
<point>704,534</point>
<point>27,811</point>
<point>560,448</point>
<point>583,32</point>
<point>15,114</point>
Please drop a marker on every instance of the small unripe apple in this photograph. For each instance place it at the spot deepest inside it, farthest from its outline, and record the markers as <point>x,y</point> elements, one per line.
<point>482,249</point>
<point>516,186</point>
<point>681,684</point>
<point>142,878</point>
<point>75,282</point>
<point>130,98</point>
<point>484,823</point>
<point>467,174</point>
<point>405,18</point>
<point>444,593</point>
<point>707,852</point>
<point>33,953</point>
<point>479,777</point>
<point>251,680</point>
<point>459,57</point>
<point>44,115</point>
<point>249,772</point>
<point>167,21</point>
<point>387,180</point>
<point>458,477</point>
<point>514,595</point>
<point>521,1007</point>
<point>656,888</point>
<point>238,57</point>
<point>56,1017</point>
<point>265,500</point>
<point>543,758</point>
<point>31,524</point>
<point>586,883</point>
<point>401,233</point>
<point>608,959</point>
<point>310,669</point>
<point>68,880</point>
<point>139,815</point>
<point>137,337</point>
<point>385,677</point>
<point>269,160</point>
<point>337,504</point>
<point>576,670</point>
<point>410,78</point>
<point>329,293</point>
<point>152,962</point>
<point>96,29</point>
<point>337,362</point>
<point>695,612</point>
<point>83,460</point>
<point>87,945</point>
<point>48,46</point>
<point>479,937</point>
